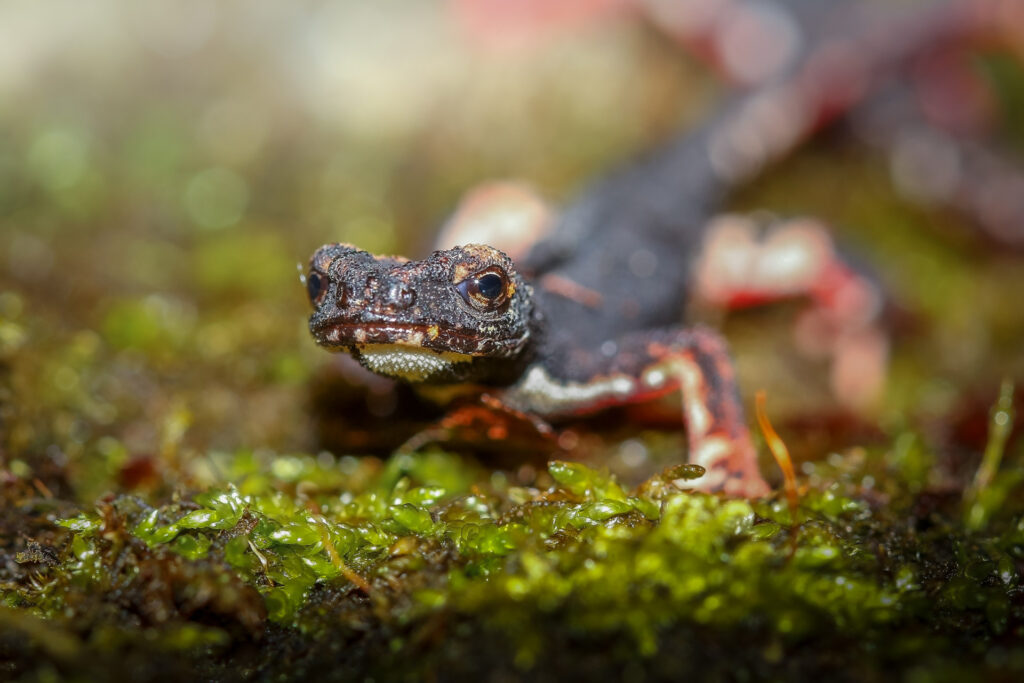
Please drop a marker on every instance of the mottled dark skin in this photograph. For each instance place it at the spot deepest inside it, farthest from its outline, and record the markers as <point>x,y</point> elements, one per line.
<point>362,300</point>
<point>589,317</point>
<point>467,316</point>
<point>627,244</point>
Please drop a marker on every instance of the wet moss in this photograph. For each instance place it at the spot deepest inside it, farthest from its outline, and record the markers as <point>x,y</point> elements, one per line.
<point>422,552</point>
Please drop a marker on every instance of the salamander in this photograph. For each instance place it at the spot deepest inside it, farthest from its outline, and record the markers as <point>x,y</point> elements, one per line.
<point>589,317</point>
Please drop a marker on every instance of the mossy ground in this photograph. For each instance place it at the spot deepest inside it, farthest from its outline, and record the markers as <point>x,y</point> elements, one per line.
<point>417,567</point>
<point>183,490</point>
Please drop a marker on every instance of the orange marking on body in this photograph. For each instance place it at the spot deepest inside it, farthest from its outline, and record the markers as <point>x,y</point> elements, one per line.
<point>463,270</point>
<point>571,290</point>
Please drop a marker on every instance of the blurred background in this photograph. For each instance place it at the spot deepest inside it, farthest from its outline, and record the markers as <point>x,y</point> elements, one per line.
<point>167,168</point>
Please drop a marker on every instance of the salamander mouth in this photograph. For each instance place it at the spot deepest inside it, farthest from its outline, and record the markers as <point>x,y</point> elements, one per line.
<point>349,336</point>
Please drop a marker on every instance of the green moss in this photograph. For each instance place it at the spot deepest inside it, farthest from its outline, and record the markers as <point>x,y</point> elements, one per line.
<point>584,555</point>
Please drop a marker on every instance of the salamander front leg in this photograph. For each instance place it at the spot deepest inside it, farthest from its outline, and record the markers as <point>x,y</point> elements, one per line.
<point>698,364</point>
<point>643,366</point>
<point>486,424</point>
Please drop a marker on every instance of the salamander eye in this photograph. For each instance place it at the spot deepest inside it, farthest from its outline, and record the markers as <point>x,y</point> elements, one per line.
<point>491,286</point>
<point>486,290</point>
<point>316,287</point>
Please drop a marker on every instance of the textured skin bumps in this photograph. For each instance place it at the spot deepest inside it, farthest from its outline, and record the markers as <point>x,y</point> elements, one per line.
<point>424,311</point>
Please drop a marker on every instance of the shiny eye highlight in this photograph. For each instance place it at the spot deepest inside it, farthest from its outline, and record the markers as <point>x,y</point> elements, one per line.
<point>486,290</point>
<point>316,287</point>
<point>491,286</point>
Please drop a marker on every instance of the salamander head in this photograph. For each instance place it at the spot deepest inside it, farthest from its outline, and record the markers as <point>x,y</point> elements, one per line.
<point>449,317</point>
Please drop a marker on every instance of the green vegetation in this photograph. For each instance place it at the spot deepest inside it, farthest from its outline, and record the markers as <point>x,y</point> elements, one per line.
<point>415,566</point>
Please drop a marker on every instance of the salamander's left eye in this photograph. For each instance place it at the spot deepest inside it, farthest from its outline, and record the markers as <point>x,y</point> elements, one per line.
<point>486,290</point>
<point>316,287</point>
